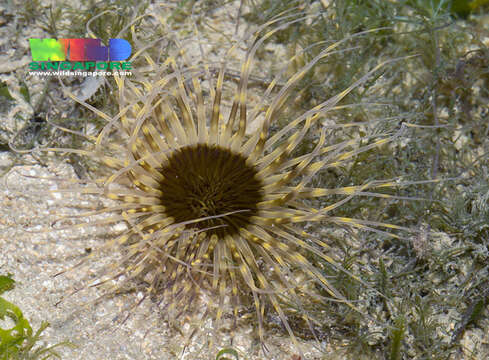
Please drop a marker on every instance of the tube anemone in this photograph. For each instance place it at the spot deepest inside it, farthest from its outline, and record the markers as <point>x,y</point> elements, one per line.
<point>218,210</point>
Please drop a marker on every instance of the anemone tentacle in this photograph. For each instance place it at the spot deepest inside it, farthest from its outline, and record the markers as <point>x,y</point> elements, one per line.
<point>212,210</point>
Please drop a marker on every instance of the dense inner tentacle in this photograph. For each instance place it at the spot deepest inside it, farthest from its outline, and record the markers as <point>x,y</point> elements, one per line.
<point>202,180</point>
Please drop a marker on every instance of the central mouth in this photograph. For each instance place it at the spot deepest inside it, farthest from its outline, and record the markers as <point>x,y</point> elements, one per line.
<point>209,181</point>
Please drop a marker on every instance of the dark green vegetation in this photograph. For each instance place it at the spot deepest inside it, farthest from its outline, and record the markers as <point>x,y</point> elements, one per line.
<point>17,340</point>
<point>435,285</point>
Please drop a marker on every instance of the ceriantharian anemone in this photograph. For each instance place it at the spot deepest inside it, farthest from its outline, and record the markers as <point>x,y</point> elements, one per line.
<point>215,212</point>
